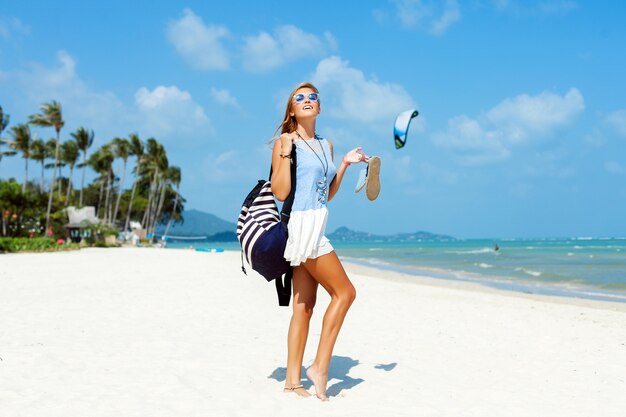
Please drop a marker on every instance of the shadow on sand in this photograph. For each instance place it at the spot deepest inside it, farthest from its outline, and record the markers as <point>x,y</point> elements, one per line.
<point>340,367</point>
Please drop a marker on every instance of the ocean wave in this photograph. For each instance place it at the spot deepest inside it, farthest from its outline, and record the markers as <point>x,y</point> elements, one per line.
<point>528,272</point>
<point>537,282</point>
<point>371,261</point>
<point>470,252</point>
<point>602,295</point>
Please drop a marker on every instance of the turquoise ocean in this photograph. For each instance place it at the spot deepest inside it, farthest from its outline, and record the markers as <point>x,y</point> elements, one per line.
<point>582,267</point>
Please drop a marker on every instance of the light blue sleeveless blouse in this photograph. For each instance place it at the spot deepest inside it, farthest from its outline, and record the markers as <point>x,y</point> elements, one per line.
<point>307,223</point>
<point>310,191</point>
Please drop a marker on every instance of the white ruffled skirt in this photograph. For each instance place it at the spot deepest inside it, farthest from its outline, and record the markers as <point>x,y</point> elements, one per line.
<point>306,236</point>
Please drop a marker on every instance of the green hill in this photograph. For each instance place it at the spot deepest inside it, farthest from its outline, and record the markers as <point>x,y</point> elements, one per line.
<point>343,234</point>
<point>199,223</point>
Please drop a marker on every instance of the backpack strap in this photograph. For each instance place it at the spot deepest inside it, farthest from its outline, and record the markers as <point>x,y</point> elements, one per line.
<point>288,203</point>
<point>286,209</point>
<point>283,288</point>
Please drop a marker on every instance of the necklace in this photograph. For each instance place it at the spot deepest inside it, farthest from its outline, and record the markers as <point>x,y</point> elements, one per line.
<point>322,189</point>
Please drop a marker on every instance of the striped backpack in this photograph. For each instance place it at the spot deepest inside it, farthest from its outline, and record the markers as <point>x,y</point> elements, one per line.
<point>262,234</point>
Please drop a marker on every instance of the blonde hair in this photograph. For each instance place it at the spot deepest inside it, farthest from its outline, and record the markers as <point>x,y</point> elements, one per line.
<point>289,123</point>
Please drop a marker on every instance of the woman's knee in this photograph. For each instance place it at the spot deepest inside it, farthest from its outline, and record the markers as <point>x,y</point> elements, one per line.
<point>347,295</point>
<point>351,294</point>
<point>303,309</point>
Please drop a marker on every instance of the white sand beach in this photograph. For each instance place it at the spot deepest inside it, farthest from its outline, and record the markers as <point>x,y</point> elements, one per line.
<point>154,332</point>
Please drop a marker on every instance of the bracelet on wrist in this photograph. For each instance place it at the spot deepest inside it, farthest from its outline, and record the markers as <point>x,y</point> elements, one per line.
<point>283,156</point>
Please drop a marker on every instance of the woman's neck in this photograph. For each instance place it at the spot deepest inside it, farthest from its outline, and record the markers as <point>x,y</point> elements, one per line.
<point>306,130</point>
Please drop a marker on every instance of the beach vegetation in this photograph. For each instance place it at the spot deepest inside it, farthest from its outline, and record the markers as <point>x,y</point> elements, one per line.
<point>21,144</point>
<point>36,207</point>
<point>4,123</point>
<point>84,139</point>
<point>69,157</point>
<point>51,116</point>
<point>21,209</point>
<point>122,150</point>
<point>35,244</point>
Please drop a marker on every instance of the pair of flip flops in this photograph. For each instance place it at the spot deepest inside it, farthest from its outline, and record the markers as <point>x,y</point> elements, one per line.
<point>369,178</point>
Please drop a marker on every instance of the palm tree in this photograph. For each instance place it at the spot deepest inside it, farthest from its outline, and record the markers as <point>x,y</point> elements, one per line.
<point>136,149</point>
<point>4,120</point>
<point>38,154</point>
<point>156,164</point>
<point>99,162</point>
<point>21,143</point>
<point>69,155</point>
<point>162,188</point>
<point>174,176</point>
<point>51,116</point>
<point>105,159</point>
<point>5,153</point>
<point>122,150</point>
<point>84,139</point>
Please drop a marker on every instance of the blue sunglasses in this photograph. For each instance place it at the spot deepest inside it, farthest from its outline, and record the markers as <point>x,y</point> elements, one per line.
<point>299,98</point>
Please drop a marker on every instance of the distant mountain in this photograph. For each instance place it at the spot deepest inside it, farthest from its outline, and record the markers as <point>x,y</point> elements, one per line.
<point>343,234</point>
<point>199,223</point>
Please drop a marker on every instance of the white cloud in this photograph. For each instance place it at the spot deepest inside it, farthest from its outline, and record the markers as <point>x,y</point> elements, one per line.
<point>524,115</point>
<point>224,97</point>
<point>412,12</point>
<point>354,97</point>
<point>30,86</point>
<point>200,45</point>
<point>474,145</point>
<point>617,120</point>
<point>11,26</point>
<point>168,110</point>
<point>615,168</point>
<point>429,14</point>
<point>491,136</point>
<point>450,15</point>
<point>163,112</point>
<point>265,52</point>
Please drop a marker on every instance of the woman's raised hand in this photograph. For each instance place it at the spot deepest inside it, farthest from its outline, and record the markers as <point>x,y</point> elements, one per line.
<point>286,140</point>
<point>355,156</point>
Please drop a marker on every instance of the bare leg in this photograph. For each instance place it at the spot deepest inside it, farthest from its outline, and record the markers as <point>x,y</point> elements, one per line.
<point>328,271</point>
<point>304,296</point>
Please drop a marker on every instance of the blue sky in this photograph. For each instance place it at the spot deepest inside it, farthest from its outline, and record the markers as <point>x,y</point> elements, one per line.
<point>522,126</point>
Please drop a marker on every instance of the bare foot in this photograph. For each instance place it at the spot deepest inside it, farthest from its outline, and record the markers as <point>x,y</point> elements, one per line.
<point>298,390</point>
<point>319,380</point>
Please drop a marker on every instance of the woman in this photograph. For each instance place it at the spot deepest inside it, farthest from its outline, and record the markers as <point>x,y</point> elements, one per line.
<point>308,250</point>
